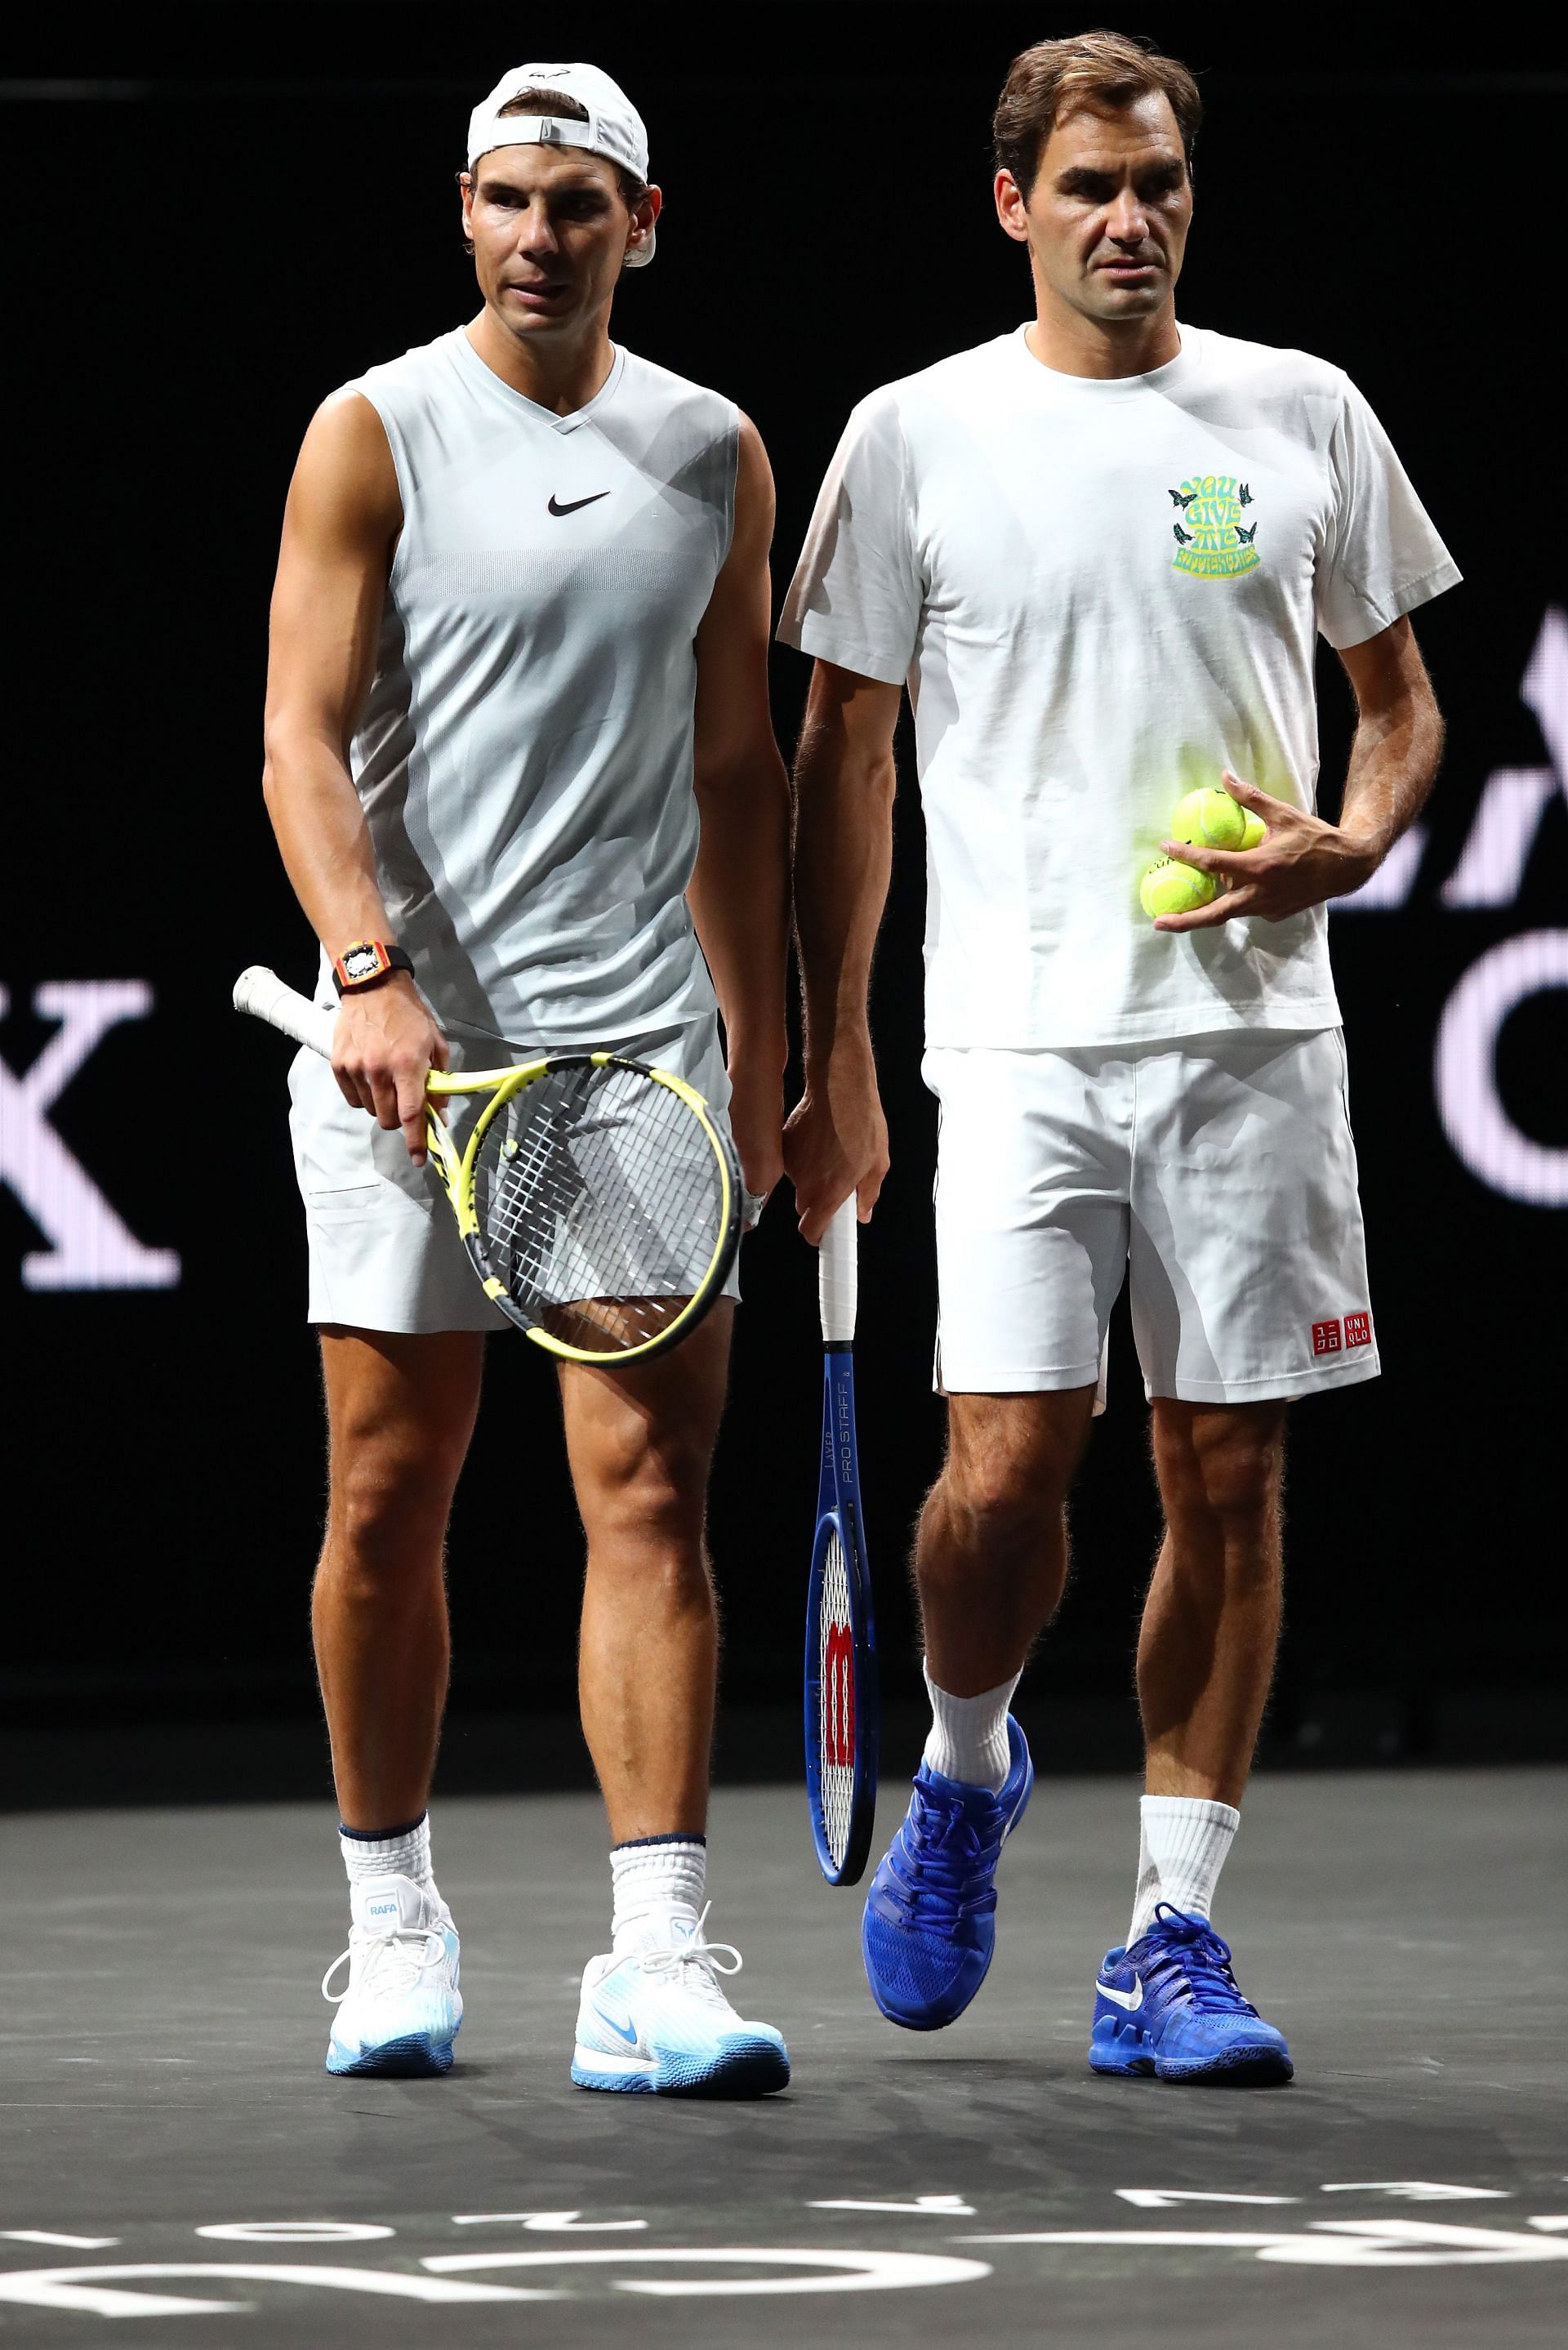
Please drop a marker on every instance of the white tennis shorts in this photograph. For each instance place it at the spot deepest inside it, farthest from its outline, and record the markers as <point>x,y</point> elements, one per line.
<point>1219,1170</point>
<point>384,1247</point>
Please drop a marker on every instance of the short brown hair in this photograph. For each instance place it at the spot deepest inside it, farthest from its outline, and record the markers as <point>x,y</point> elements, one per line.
<point>1093,70</point>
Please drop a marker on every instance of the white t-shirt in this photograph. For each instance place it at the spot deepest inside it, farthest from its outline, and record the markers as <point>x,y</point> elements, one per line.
<point>1100,594</point>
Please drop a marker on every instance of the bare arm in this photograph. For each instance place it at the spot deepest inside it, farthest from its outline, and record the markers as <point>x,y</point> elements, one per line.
<point>1398,742</point>
<point>739,890</point>
<point>837,1138</point>
<point>341,521</point>
<point>1393,763</point>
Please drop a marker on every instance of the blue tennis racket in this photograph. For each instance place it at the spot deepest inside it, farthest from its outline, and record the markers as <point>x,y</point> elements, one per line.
<point>841,1696</point>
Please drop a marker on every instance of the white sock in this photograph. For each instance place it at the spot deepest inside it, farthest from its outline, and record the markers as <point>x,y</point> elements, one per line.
<point>968,1735</point>
<point>1182,1843</point>
<point>657,1882</point>
<point>400,1852</point>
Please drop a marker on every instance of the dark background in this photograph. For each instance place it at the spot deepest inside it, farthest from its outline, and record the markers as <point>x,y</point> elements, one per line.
<point>214,216</point>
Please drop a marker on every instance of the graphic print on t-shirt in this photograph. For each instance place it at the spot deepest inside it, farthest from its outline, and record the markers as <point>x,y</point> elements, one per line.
<point>1215,533</point>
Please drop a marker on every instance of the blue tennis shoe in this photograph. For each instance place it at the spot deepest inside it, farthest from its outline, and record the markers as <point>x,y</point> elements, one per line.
<point>930,1915</point>
<point>1170,2006</point>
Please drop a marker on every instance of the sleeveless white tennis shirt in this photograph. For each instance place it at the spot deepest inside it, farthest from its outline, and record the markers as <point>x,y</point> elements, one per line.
<point>524,757</point>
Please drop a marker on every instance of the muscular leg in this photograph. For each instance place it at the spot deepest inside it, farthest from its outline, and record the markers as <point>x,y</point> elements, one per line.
<point>640,1442</point>
<point>991,1552</point>
<point>1206,1652</point>
<point>991,1561</point>
<point>1212,1620</point>
<point>399,1411</point>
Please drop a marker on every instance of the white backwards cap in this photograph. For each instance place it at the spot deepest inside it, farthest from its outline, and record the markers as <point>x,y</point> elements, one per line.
<point>614,127</point>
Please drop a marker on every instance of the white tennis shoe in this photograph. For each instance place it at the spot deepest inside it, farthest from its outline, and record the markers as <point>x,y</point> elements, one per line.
<point>401,2009</point>
<point>655,2019</point>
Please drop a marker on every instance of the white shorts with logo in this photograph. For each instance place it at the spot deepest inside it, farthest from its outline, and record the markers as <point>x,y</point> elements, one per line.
<point>384,1247</point>
<point>1218,1172</point>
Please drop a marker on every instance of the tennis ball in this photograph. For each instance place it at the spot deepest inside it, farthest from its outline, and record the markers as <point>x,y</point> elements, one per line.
<point>1168,888</point>
<point>1257,830</point>
<point>1209,819</point>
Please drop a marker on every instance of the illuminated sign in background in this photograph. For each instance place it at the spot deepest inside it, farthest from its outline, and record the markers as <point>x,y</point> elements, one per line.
<point>1490,874</point>
<point>87,1245</point>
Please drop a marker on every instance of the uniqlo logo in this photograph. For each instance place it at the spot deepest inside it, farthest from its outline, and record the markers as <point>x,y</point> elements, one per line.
<point>1358,1329</point>
<point>1326,1337</point>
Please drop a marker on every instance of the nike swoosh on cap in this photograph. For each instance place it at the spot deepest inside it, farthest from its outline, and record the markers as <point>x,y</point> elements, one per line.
<point>1131,2000</point>
<point>573,503</point>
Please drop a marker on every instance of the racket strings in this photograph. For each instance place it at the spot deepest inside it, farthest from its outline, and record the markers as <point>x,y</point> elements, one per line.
<point>836,1727</point>
<point>601,1201</point>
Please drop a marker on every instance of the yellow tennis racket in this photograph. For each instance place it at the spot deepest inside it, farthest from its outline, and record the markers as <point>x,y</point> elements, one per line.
<point>597,1200</point>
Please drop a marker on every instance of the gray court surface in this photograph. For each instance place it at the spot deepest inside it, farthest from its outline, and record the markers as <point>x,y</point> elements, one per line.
<point>174,2152</point>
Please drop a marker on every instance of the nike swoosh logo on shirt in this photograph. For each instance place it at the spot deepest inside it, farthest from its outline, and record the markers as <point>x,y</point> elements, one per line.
<point>627,2031</point>
<point>1131,2000</point>
<point>573,503</point>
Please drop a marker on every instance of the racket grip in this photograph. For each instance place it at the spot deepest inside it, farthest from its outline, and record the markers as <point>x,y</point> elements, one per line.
<point>267,997</point>
<point>835,1272</point>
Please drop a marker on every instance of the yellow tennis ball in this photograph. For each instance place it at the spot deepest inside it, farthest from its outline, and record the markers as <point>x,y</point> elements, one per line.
<point>1209,819</point>
<point>1257,830</point>
<point>1168,888</point>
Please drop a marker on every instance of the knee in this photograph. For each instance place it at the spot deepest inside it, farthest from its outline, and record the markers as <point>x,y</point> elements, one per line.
<point>389,1501</point>
<point>647,1493</point>
<point>1002,1499</point>
<point>1227,1474</point>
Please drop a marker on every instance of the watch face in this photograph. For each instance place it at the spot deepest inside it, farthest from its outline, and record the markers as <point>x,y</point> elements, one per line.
<point>361,962</point>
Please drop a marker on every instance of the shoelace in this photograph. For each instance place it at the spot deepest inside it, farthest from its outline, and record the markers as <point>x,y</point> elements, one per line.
<point>695,1951</point>
<point>943,1854</point>
<point>391,1955</point>
<point>1191,1947</point>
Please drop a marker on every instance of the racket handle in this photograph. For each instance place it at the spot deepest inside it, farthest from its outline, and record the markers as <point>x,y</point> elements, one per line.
<point>265,996</point>
<point>835,1272</point>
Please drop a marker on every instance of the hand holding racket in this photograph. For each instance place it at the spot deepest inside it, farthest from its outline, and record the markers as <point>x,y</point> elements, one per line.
<point>841,1693</point>
<point>600,1204</point>
<point>386,1043</point>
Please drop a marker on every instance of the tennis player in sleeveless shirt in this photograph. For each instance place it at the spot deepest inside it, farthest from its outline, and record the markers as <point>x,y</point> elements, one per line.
<point>1098,551</point>
<point>519,762</point>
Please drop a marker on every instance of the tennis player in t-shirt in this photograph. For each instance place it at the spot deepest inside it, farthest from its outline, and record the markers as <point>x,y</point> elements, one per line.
<point>1098,551</point>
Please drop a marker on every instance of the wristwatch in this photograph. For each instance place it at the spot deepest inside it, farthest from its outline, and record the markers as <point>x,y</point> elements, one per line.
<point>366,961</point>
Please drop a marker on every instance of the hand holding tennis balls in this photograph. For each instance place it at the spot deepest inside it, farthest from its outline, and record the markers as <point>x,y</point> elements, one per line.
<point>1300,861</point>
<point>1204,819</point>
